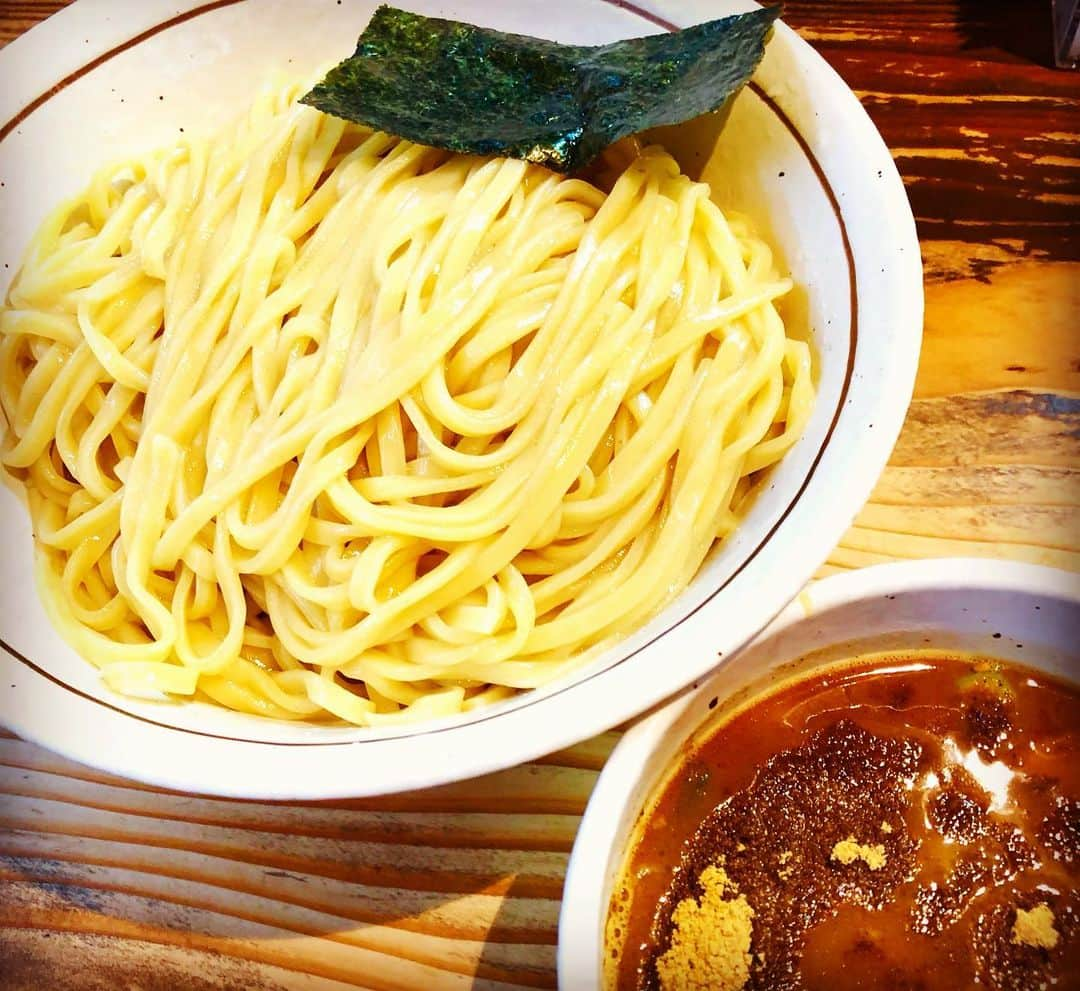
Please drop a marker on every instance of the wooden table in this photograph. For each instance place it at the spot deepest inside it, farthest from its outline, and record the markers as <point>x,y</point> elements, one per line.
<point>106,884</point>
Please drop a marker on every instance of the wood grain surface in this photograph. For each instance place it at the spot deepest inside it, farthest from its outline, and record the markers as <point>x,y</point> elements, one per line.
<point>107,884</point>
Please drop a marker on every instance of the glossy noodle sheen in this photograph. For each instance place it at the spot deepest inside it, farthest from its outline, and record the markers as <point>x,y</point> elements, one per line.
<point>315,422</point>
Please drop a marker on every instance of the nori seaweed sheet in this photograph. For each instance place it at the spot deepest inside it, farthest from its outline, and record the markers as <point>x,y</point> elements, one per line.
<point>470,89</point>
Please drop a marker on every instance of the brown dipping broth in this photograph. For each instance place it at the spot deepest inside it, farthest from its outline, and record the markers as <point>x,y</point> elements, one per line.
<point>967,772</point>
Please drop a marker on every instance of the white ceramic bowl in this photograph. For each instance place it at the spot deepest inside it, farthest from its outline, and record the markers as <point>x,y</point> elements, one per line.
<point>102,80</point>
<point>1014,612</point>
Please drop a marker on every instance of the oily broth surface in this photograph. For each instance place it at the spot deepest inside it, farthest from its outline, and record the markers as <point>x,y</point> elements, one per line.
<point>981,797</point>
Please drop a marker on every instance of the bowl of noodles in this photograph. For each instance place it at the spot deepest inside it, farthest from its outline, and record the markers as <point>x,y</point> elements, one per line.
<point>341,465</point>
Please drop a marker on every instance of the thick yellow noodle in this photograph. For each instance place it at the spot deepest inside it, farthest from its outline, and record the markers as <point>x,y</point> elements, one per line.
<point>315,422</point>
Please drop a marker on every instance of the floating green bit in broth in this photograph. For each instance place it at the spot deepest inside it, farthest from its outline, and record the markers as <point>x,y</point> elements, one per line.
<point>470,89</point>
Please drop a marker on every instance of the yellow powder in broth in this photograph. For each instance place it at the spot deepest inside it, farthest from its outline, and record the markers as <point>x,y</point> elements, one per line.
<point>1035,927</point>
<point>710,944</point>
<point>849,850</point>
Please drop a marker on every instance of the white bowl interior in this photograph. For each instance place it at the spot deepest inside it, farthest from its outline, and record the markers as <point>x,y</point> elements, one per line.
<point>1019,613</point>
<point>798,156</point>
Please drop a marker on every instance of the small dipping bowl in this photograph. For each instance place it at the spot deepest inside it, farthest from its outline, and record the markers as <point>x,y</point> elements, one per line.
<point>1023,614</point>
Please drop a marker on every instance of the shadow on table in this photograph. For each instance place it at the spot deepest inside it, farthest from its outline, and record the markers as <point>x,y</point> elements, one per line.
<point>1023,28</point>
<point>162,890</point>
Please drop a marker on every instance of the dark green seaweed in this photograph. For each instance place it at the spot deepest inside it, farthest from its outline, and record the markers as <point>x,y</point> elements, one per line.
<point>469,89</point>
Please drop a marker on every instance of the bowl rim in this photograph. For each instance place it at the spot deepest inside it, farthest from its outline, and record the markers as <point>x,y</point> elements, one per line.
<point>583,913</point>
<point>128,746</point>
